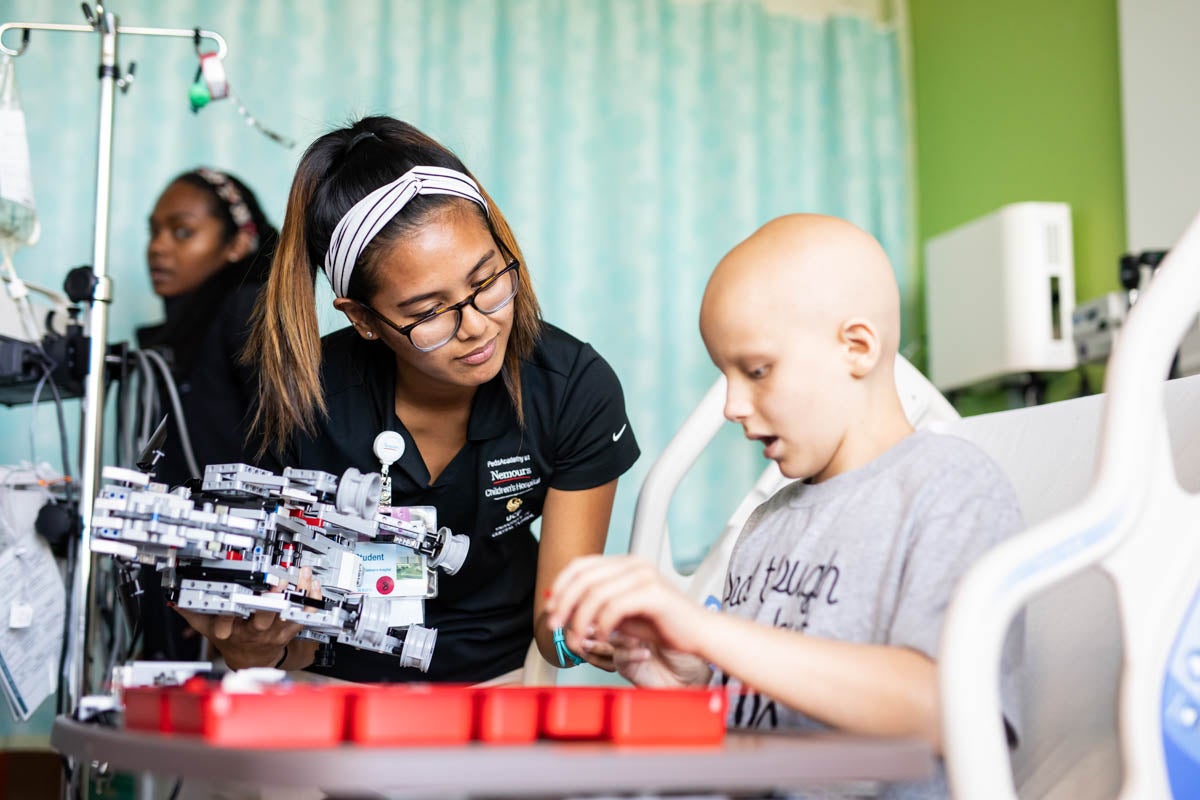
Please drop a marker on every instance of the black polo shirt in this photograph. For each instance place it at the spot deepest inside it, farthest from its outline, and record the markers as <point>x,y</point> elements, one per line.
<point>576,436</point>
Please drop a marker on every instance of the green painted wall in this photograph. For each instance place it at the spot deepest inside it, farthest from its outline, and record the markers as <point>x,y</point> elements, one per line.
<point>1020,100</point>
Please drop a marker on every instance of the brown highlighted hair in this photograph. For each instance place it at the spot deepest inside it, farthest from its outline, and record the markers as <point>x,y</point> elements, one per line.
<point>337,171</point>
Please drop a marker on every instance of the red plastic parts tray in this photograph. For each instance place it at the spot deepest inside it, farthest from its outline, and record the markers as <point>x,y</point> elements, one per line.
<point>146,709</point>
<point>429,715</point>
<point>575,712</point>
<point>507,714</point>
<point>296,716</point>
<point>410,715</point>
<point>667,716</point>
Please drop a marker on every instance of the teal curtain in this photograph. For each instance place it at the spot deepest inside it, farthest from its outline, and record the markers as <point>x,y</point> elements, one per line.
<point>631,143</point>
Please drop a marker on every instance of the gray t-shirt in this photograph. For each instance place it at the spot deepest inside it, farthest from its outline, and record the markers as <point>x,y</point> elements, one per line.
<point>872,556</point>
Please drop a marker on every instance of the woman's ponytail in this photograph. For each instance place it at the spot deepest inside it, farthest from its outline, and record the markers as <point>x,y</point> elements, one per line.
<point>285,342</point>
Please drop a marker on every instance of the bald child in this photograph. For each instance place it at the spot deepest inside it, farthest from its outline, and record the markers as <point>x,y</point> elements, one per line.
<point>838,583</point>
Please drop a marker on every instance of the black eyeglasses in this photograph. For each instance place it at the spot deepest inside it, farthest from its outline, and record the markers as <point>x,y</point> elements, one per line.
<point>439,327</point>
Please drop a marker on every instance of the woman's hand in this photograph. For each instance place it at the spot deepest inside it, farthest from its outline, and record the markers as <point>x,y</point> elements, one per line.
<point>260,639</point>
<point>574,524</point>
<point>597,653</point>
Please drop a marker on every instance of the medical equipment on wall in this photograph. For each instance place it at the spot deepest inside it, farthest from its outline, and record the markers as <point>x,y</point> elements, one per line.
<point>1098,322</point>
<point>1137,525</point>
<point>237,545</point>
<point>999,292</point>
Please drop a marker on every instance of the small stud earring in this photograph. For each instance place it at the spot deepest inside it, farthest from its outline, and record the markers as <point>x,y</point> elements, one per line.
<point>370,335</point>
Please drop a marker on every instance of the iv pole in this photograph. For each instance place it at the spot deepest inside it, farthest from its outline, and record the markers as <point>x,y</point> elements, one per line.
<point>106,25</point>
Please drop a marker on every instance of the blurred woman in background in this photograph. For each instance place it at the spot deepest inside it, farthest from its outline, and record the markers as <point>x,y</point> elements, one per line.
<point>209,255</point>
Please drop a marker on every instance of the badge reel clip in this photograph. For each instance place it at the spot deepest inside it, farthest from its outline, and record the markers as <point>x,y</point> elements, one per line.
<point>389,446</point>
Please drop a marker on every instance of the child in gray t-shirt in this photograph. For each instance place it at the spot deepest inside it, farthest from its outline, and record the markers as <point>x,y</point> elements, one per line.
<point>872,556</point>
<point>837,586</point>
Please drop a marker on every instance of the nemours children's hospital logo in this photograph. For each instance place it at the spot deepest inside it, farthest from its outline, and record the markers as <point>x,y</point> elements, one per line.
<point>511,476</point>
<point>507,478</point>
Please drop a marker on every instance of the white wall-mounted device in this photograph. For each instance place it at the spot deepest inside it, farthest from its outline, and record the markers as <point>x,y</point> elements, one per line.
<point>999,292</point>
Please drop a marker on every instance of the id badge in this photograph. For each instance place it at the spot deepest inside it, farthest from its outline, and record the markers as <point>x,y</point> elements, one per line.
<point>395,571</point>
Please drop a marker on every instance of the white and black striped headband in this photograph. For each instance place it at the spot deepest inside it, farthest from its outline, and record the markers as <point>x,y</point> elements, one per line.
<point>368,216</point>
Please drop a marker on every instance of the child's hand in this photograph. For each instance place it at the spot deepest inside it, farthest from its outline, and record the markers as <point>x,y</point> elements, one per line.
<point>644,663</point>
<point>596,596</point>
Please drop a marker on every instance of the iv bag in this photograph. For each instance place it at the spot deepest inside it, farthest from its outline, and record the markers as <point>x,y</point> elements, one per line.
<point>18,214</point>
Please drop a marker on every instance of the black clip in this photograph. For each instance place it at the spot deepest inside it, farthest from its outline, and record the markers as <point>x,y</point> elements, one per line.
<point>24,40</point>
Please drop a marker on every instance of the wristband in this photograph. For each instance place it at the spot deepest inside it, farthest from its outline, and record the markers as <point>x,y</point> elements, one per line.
<point>564,652</point>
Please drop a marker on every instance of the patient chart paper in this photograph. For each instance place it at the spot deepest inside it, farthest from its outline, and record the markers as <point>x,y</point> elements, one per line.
<point>30,650</point>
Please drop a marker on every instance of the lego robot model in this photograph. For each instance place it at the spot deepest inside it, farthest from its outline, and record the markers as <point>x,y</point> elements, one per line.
<point>237,545</point>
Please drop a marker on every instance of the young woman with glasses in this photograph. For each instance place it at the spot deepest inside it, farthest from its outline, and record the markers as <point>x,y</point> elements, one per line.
<point>506,419</point>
